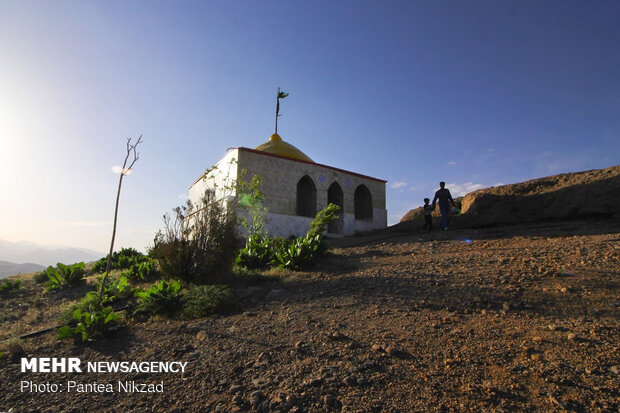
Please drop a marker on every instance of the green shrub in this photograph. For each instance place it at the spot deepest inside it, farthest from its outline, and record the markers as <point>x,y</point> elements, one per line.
<point>41,277</point>
<point>91,325</point>
<point>304,251</point>
<point>199,245</point>
<point>88,303</point>
<point>163,298</point>
<point>114,291</point>
<point>143,270</point>
<point>301,253</point>
<point>121,260</point>
<point>324,217</point>
<point>7,286</point>
<point>260,251</point>
<point>257,253</point>
<point>203,300</point>
<point>64,275</point>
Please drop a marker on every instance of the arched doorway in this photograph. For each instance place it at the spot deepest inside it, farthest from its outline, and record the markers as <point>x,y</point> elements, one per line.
<point>336,196</point>
<point>362,203</point>
<point>306,197</point>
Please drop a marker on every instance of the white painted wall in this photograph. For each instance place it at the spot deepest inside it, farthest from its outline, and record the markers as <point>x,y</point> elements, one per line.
<point>221,177</point>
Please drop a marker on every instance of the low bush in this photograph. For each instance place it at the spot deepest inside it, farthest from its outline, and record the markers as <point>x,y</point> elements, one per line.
<point>41,277</point>
<point>64,275</point>
<point>260,251</point>
<point>7,287</point>
<point>198,245</point>
<point>162,298</point>
<point>301,253</point>
<point>203,300</point>
<point>121,260</point>
<point>142,271</point>
<point>116,290</point>
<point>91,325</point>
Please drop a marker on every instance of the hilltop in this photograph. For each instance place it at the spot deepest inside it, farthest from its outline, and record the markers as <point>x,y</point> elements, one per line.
<point>594,193</point>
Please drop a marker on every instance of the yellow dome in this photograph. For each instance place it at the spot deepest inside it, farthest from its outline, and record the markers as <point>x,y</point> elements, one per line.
<point>277,146</point>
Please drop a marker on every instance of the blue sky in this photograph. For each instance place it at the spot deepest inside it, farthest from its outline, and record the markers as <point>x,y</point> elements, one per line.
<point>472,93</point>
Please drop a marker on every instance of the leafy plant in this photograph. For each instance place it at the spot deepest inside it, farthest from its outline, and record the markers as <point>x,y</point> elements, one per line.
<point>88,303</point>
<point>7,286</point>
<point>304,251</point>
<point>161,298</point>
<point>114,291</point>
<point>301,253</point>
<point>324,217</point>
<point>122,260</point>
<point>64,275</point>
<point>257,252</point>
<point>203,300</point>
<point>91,325</point>
<point>260,251</point>
<point>199,244</point>
<point>143,270</point>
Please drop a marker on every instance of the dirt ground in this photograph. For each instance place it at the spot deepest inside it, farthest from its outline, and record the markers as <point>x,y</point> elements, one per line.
<point>519,318</point>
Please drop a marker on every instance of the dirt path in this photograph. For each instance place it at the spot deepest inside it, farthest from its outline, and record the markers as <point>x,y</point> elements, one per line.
<point>505,319</point>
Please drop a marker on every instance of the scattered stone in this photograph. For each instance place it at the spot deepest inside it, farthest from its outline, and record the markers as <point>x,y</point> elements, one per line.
<point>362,381</point>
<point>337,335</point>
<point>236,388</point>
<point>368,364</point>
<point>238,399</point>
<point>201,336</point>
<point>615,369</point>
<point>506,306</point>
<point>256,397</point>
<point>316,382</point>
<point>260,382</point>
<point>249,314</point>
<point>350,381</point>
<point>393,350</point>
<point>330,401</point>
<point>572,336</point>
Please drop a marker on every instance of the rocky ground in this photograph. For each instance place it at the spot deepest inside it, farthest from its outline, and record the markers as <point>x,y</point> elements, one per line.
<point>519,318</point>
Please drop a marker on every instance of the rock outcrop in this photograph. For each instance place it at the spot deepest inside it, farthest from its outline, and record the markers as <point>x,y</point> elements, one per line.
<point>572,195</point>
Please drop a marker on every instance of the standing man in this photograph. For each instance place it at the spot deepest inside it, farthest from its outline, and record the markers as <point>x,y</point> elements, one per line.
<point>445,202</point>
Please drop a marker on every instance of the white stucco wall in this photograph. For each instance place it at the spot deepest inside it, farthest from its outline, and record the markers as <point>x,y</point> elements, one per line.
<point>221,177</point>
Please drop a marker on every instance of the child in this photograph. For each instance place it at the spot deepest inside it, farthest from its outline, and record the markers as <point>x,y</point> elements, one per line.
<point>428,220</point>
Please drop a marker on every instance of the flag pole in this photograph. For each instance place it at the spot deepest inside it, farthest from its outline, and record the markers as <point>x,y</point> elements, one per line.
<point>277,107</point>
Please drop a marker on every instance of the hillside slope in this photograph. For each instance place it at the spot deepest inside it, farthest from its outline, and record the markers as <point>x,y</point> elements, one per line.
<point>571,195</point>
<point>513,319</point>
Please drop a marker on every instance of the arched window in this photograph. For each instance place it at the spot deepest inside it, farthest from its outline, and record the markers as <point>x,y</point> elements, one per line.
<point>336,196</point>
<point>306,197</point>
<point>362,203</point>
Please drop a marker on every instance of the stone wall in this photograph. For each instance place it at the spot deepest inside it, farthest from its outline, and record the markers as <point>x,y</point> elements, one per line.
<point>280,177</point>
<point>279,183</point>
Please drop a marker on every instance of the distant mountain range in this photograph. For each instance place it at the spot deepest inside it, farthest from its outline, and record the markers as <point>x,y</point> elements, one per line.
<point>14,254</point>
<point>10,268</point>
